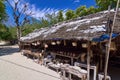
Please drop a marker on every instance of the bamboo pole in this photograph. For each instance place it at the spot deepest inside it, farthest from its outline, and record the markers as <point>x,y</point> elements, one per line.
<point>88,61</point>
<point>88,56</point>
<point>108,49</point>
<point>101,61</point>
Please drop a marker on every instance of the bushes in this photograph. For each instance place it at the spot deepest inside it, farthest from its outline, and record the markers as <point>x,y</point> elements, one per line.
<point>5,34</point>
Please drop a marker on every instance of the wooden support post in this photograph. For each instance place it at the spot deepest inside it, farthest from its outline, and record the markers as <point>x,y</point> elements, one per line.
<point>101,61</point>
<point>108,47</point>
<point>95,73</point>
<point>70,78</point>
<point>72,61</point>
<point>88,61</point>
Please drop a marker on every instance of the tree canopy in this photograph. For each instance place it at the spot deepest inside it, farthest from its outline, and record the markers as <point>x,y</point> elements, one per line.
<point>60,16</point>
<point>81,10</point>
<point>103,4</point>
<point>5,33</point>
<point>70,14</point>
<point>2,11</point>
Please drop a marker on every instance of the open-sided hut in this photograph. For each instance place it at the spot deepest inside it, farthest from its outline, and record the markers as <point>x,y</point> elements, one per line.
<point>69,38</point>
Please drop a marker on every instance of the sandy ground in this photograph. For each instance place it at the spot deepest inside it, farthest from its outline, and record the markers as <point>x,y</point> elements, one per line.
<point>14,66</point>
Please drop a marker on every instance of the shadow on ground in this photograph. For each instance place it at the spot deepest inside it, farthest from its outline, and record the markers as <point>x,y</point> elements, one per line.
<point>7,50</point>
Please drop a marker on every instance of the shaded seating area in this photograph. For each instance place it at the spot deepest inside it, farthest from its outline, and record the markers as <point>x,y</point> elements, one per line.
<point>81,42</point>
<point>67,53</point>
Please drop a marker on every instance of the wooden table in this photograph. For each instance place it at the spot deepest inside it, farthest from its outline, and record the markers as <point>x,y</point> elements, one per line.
<point>72,71</point>
<point>54,66</point>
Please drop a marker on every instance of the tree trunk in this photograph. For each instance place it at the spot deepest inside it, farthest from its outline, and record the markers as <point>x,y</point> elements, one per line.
<point>18,33</point>
<point>18,36</point>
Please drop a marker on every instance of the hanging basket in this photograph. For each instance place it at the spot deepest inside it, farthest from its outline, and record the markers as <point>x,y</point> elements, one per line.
<point>38,43</point>
<point>46,46</point>
<point>53,43</point>
<point>74,43</point>
<point>84,45</point>
<point>113,46</point>
<point>58,42</point>
<point>94,43</point>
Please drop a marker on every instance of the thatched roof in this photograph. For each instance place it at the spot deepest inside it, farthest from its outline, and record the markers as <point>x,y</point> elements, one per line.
<point>93,25</point>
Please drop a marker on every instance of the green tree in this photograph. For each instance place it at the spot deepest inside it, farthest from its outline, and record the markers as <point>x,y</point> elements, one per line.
<point>91,10</point>
<point>5,33</point>
<point>12,31</point>
<point>52,18</point>
<point>2,28</point>
<point>103,4</point>
<point>84,12</point>
<point>60,16</point>
<point>70,15</point>
<point>80,10</point>
<point>28,28</point>
<point>44,22</point>
<point>2,11</point>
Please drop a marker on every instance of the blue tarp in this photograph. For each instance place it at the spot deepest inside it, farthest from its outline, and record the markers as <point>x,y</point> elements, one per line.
<point>104,37</point>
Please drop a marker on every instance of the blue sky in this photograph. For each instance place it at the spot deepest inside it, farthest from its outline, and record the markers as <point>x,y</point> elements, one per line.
<point>42,7</point>
<point>61,4</point>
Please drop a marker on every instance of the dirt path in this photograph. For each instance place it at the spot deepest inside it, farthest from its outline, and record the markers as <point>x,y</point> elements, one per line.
<point>14,66</point>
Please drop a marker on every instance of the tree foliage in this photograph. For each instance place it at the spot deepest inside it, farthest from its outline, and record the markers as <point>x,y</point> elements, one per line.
<point>52,18</point>
<point>28,29</point>
<point>44,23</point>
<point>13,31</point>
<point>60,16</point>
<point>70,14</point>
<point>91,10</point>
<point>2,11</point>
<point>81,10</point>
<point>103,4</point>
<point>5,33</point>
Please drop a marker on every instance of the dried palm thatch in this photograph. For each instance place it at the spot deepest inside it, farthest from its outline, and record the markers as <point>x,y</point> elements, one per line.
<point>91,26</point>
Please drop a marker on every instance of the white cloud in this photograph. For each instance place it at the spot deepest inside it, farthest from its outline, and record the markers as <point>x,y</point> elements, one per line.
<point>36,12</point>
<point>76,1</point>
<point>39,13</point>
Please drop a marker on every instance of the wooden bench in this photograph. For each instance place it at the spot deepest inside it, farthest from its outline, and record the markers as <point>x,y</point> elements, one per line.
<point>85,66</point>
<point>72,71</point>
<point>54,66</point>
